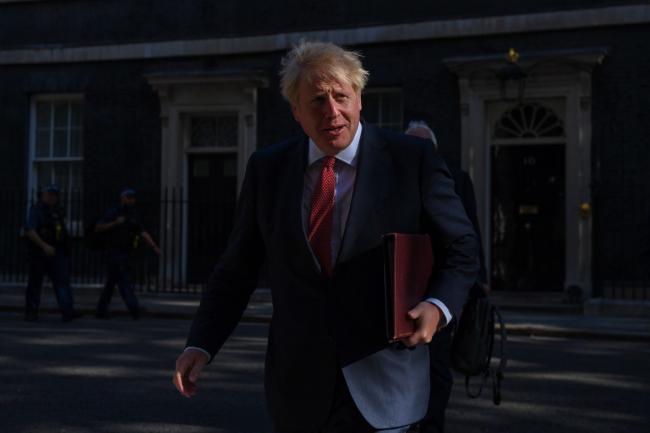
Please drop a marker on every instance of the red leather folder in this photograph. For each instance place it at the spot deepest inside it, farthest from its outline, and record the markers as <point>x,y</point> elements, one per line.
<point>408,263</point>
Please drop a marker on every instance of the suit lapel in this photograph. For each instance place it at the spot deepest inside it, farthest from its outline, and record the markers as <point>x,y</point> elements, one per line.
<point>371,186</point>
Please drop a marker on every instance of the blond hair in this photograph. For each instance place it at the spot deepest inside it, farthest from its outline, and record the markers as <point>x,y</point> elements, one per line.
<point>320,60</point>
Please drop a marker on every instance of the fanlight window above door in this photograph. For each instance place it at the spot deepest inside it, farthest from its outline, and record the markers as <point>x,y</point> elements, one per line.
<point>529,120</point>
<point>214,130</point>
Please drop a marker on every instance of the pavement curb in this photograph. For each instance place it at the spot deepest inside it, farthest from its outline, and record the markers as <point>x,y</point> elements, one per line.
<point>578,334</point>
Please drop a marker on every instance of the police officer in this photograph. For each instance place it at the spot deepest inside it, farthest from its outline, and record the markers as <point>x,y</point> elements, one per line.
<point>123,232</point>
<point>49,253</point>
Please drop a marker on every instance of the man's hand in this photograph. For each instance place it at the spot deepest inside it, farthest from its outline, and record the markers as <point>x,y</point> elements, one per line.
<point>49,250</point>
<point>109,225</point>
<point>427,318</point>
<point>157,250</point>
<point>188,369</point>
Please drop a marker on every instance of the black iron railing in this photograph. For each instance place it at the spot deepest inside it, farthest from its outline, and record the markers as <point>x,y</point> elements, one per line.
<point>191,233</point>
<point>622,241</point>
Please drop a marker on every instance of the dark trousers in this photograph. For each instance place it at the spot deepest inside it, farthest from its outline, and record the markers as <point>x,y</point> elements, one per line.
<point>118,272</point>
<point>441,382</point>
<point>344,416</point>
<point>57,268</point>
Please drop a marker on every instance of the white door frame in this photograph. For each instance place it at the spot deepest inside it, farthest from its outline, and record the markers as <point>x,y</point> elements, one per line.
<point>181,96</point>
<point>242,150</point>
<point>564,75</point>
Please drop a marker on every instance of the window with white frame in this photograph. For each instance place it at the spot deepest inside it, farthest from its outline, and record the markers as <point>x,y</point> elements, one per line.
<point>383,108</point>
<point>56,153</point>
<point>214,131</point>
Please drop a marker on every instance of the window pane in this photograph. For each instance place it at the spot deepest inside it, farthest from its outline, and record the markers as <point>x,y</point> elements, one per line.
<point>43,174</point>
<point>61,114</point>
<point>62,175</point>
<point>43,115</point>
<point>60,147</point>
<point>59,134</point>
<point>43,143</point>
<point>76,177</point>
<point>76,144</point>
<point>227,126</point>
<point>203,131</point>
<point>76,114</point>
<point>391,110</point>
<point>383,109</point>
<point>230,167</point>
<point>370,110</point>
<point>218,130</point>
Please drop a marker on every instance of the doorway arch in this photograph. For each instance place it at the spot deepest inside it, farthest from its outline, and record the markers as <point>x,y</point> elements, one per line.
<point>560,81</point>
<point>527,195</point>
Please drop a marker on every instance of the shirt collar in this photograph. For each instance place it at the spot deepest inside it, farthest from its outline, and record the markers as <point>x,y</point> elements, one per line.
<point>349,155</point>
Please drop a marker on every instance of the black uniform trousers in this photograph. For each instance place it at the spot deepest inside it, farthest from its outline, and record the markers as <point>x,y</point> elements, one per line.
<point>118,272</point>
<point>57,268</point>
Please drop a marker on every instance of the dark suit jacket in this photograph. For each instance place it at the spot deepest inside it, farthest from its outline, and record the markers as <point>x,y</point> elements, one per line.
<point>321,324</point>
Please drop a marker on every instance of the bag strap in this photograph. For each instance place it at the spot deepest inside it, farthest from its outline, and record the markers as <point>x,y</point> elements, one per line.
<point>488,358</point>
<point>478,393</point>
<point>497,374</point>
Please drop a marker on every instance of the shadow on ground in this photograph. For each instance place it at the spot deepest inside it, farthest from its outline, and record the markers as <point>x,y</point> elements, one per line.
<point>115,377</point>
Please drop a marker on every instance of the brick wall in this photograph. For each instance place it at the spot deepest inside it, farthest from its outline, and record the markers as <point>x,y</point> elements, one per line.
<point>112,21</point>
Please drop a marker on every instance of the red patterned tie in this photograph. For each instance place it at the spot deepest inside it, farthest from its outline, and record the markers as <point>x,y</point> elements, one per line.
<point>320,217</point>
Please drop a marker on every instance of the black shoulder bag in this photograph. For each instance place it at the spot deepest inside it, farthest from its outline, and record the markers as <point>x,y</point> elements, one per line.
<point>473,344</point>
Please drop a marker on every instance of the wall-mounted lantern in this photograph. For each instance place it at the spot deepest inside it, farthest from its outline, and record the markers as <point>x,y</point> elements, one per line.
<point>512,71</point>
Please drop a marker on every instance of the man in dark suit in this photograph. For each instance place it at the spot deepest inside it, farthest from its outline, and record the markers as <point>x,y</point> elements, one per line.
<point>315,209</point>
<point>440,346</point>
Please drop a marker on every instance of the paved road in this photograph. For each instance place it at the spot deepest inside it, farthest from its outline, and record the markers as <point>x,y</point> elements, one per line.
<point>114,377</point>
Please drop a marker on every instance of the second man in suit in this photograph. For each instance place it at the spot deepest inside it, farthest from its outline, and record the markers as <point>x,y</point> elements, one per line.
<point>440,346</point>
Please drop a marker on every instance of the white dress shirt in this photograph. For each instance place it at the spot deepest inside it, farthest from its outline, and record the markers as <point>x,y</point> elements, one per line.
<point>345,170</point>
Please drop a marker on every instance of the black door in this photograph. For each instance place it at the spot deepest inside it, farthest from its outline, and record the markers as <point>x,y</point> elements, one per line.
<point>528,221</point>
<point>212,185</point>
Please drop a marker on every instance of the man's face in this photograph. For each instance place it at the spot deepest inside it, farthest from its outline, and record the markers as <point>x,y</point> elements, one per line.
<point>128,200</point>
<point>50,198</point>
<point>328,112</point>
